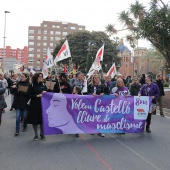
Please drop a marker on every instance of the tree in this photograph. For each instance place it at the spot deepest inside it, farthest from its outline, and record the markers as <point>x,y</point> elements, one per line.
<point>81,43</point>
<point>88,62</point>
<point>151,24</point>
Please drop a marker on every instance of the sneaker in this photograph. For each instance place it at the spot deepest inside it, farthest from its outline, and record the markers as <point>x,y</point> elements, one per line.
<point>101,134</point>
<point>11,109</point>
<point>24,130</point>
<point>42,137</point>
<point>16,133</point>
<point>148,130</point>
<point>77,135</point>
<point>35,138</point>
<point>162,115</point>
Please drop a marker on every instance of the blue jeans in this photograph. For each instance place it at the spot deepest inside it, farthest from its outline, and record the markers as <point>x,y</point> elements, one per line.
<point>19,113</point>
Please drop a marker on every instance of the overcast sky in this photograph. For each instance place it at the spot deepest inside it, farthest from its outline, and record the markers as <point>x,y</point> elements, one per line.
<point>94,14</point>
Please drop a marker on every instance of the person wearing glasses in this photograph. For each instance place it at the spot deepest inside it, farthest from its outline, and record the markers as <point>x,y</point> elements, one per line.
<point>35,91</point>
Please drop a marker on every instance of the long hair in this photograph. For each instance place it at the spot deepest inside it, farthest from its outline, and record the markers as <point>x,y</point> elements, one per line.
<point>35,77</point>
<point>119,79</point>
<point>92,81</point>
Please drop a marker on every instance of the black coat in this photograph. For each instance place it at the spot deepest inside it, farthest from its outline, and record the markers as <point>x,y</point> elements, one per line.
<point>65,87</point>
<point>99,89</point>
<point>35,109</point>
<point>161,87</point>
<point>21,97</point>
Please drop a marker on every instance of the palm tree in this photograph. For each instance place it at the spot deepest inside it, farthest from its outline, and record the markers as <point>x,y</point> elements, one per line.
<point>110,29</point>
<point>137,10</point>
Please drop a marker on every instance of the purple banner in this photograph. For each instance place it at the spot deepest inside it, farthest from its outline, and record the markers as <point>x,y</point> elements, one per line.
<point>83,114</point>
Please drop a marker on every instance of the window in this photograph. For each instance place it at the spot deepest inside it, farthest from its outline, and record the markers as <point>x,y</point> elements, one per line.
<point>38,44</point>
<point>58,33</point>
<point>31,55</point>
<point>45,25</point>
<point>44,44</point>
<point>44,50</point>
<point>39,38</point>
<point>31,31</point>
<point>39,31</point>
<point>31,37</point>
<point>51,44</point>
<point>65,33</point>
<point>31,43</point>
<point>57,38</point>
<point>45,31</point>
<point>65,28</point>
<point>80,28</point>
<point>38,62</point>
<point>45,38</point>
<point>31,49</point>
<point>38,50</point>
<point>53,26</point>
<point>51,38</point>
<point>30,61</point>
<point>51,32</point>
<point>57,26</point>
<point>73,28</point>
<point>38,55</point>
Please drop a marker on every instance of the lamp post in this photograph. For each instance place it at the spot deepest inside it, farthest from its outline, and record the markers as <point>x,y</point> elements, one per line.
<point>4,35</point>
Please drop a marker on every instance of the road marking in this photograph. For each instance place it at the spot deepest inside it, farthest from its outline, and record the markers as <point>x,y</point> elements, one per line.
<point>96,153</point>
<point>137,154</point>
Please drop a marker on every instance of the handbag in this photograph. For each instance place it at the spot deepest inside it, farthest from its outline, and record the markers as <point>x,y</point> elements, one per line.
<point>3,104</point>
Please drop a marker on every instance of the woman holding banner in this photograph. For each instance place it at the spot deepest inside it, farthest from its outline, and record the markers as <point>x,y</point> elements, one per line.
<point>120,89</point>
<point>35,91</point>
<point>96,88</point>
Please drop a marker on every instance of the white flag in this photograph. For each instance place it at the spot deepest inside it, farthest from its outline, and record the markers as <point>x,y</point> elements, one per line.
<point>45,72</point>
<point>112,71</point>
<point>84,90</point>
<point>32,71</point>
<point>99,57</point>
<point>63,53</point>
<point>48,62</point>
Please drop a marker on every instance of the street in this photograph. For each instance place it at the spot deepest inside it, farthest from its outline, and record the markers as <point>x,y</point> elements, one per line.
<point>88,152</point>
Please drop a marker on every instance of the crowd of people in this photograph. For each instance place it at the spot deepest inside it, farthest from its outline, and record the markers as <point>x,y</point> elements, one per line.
<point>26,92</point>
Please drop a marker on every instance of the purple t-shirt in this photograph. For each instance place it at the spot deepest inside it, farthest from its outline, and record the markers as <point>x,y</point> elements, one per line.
<point>122,91</point>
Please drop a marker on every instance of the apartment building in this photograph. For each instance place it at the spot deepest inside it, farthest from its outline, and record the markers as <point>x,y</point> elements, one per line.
<point>21,55</point>
<point>45,36</point>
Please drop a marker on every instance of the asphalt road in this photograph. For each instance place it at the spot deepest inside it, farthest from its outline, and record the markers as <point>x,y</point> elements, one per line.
<point>88,152</point>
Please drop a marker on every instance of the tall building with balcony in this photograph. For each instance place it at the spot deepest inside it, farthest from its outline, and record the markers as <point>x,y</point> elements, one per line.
<point>45,36</point>
<point>21,55</point>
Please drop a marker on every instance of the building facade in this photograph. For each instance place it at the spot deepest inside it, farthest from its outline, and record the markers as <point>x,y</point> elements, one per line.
<point>45,36</point>
<point>21,55</point>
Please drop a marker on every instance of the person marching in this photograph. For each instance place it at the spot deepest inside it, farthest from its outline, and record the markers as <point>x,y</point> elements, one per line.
<point>134,87</point>
<point>162,93</point>
<point>96,88</point>
<point>2,99</point>
<point>77,90</point>
<point>20,102</point>
<point>35,91</point>
<point>61,85</point>
<point>152,90</point>
<point>120,89</point>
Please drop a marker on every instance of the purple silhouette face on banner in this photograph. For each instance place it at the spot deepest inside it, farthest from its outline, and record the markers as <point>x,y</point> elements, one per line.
<point>58,115</point>
<point>57,112</point>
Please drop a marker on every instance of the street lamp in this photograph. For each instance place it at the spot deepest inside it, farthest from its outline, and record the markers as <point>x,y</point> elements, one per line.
<point>4,35</point>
